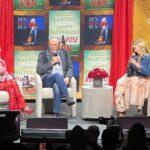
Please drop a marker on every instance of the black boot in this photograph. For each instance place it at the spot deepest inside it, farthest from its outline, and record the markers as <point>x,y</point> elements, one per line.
<point>70,101</point>
<point>144,109</point>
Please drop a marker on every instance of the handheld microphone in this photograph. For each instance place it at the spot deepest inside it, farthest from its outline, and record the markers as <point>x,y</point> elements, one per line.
<point>54,55</point>
<point>134,54</point>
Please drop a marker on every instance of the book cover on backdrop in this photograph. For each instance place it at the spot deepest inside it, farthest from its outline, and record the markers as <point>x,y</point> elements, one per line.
<point>64,2</point>
<point>96,59</point>
<point>28,4</point>
<point>98,29</point>
<point>99,4</point>
<point>25,65</point>
<point>29,30</point>
<point>67,28</point>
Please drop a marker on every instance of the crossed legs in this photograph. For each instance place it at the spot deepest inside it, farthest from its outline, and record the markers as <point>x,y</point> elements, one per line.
<point>56,81</point>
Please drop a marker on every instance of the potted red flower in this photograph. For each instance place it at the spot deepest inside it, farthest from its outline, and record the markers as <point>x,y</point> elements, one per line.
<point>98,75</point>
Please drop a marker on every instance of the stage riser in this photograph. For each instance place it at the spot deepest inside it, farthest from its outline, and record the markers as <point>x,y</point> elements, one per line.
<point>127,122</point>
<point>47,123</point>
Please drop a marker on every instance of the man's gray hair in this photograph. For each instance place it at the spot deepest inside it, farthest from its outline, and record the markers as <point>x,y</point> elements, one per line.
<point>54,38</point>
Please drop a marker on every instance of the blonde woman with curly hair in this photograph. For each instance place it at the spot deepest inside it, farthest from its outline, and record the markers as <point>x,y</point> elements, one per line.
<point>133,87</point>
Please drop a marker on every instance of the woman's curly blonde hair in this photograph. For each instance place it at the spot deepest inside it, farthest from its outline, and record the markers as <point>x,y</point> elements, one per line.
<point>143,46</point>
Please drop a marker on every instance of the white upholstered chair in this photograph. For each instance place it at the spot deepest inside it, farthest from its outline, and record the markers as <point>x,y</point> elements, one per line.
<point>47,93</point>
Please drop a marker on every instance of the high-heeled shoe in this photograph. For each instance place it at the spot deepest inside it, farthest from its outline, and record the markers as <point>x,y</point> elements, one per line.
<point>139,109</point>
<point>28,111</point>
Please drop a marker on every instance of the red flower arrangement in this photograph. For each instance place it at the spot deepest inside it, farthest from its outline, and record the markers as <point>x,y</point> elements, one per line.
<point>97,73</point>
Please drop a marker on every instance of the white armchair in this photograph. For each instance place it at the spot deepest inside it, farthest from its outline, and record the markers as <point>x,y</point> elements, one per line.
<point>47,93</point>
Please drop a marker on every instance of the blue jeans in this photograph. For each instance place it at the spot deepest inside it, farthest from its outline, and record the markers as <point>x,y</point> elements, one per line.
<point>56,81</point>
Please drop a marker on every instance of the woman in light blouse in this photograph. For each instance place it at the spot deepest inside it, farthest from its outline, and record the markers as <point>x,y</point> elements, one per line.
<point>133,87</point>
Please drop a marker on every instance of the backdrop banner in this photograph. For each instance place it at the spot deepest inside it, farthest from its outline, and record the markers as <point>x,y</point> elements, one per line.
<point>25,66</point>
<point>66,26</point>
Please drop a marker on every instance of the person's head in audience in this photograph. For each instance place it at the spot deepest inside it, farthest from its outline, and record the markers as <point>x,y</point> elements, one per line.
<point>77,137</point>
<point>93,134</point>
<point>136,137</point>
<point>110,138</point>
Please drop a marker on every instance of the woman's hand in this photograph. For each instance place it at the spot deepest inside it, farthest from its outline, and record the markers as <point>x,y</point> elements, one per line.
<point>9,78</point>
<point>2,73</point>
<point>133,61</point>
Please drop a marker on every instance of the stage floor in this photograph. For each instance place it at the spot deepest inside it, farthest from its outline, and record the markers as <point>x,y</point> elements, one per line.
<point>78,120</point>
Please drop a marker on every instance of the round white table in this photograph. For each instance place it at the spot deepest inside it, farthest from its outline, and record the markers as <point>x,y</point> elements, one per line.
<point>97,102</point>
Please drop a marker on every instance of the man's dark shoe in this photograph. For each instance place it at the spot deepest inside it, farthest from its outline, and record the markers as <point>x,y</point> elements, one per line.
<point>70,101</point>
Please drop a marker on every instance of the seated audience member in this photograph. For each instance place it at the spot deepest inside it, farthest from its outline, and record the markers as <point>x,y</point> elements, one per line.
<point>93,134</point>
<point>78,138</point>
<point>7,83</point>
<point>136,139</point>
<point>56,70</point>
<point>112,138</point>
<point>133,87</point>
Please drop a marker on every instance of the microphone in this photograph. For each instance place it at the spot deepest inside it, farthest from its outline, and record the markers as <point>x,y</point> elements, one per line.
<point>134,54</point>
<point>54,55</point>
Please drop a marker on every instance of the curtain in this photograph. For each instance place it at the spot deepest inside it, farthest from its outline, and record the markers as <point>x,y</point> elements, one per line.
<point>7,33</point>
<point>121,39</point>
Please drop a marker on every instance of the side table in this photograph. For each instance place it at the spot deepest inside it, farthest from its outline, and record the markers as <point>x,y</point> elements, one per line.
<point>97,102</point>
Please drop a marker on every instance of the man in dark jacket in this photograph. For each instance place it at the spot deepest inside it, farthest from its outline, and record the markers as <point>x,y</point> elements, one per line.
<point>56,70</point>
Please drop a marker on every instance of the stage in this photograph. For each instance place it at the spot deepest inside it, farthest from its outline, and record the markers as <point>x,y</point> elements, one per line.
<point>31,137</point>
<point>78,120</point>
<point>65,113</point>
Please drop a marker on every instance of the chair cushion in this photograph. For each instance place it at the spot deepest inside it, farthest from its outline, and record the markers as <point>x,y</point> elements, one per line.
<point>48,93</point>
<point>4,96</point>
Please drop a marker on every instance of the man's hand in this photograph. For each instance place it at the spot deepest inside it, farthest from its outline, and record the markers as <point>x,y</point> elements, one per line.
<point>66,79</point>
<point>55,59</point>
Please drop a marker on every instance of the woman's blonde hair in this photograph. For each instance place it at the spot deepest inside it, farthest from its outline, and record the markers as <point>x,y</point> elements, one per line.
<point>142,45</point>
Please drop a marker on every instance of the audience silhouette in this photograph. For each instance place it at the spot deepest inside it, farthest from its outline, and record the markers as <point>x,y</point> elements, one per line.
<point>87,139</point>
<point>78,138</point>
<point>93,134</point>
<point>136,139</point>
<point>111,137</point>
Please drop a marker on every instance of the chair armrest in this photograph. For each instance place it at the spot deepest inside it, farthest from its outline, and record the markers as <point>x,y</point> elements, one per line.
<point>38,89</point>
<point>73,86</point>
<point>38,82</point>
<point>72,82</point>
